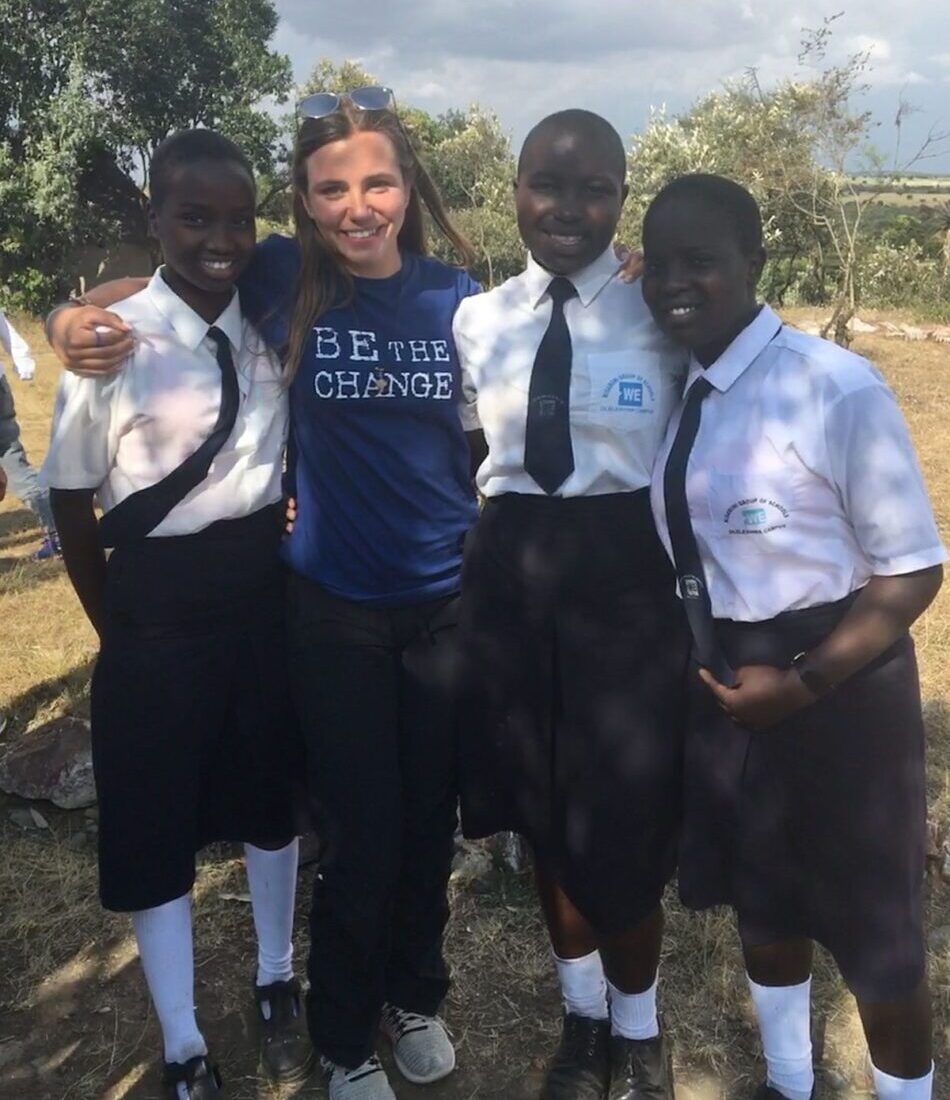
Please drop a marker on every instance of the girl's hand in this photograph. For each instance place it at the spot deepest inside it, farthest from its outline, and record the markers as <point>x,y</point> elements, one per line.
<point>631,261</point>
<point>89,341</point>
<point>290,514</point>
<point>762,697</point>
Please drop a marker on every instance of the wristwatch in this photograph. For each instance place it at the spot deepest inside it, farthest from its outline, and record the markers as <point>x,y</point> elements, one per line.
<point>811,677</point>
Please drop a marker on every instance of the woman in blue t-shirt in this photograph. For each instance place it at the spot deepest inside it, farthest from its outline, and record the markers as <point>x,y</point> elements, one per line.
<point>381,472</point>
<point>380,468</point>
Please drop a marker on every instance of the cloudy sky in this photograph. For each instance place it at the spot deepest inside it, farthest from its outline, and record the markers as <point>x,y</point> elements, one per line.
<point>525,58</point>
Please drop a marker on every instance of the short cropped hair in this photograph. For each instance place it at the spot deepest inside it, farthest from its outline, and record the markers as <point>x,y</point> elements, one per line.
<point>188,147</point>
<point>723,195</point>
<point>577,121</point>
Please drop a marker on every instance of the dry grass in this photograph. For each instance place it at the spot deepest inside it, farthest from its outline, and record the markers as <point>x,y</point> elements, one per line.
<point>912,200</point>
<point>72,1007</point>
<point>924,191</point>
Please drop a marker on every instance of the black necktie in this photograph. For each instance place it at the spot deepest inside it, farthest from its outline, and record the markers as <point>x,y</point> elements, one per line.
<point>548,455</point>
<point>689,566</point>
<point>140,513</point>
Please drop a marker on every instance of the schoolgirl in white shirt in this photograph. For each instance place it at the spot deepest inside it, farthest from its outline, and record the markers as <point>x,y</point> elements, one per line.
<point>193,733</point>
<point>791,502</point>
<point>576,643</point>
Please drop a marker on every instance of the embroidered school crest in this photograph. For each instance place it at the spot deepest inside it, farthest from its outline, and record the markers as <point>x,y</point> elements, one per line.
<point>755,516</point>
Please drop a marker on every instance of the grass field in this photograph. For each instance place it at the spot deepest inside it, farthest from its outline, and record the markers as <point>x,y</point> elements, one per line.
<point>906,185</point>
<point>74,1019</point>
<point>925,193</point>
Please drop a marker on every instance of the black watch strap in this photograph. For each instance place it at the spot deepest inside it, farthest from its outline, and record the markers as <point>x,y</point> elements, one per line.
<point>811,677</point>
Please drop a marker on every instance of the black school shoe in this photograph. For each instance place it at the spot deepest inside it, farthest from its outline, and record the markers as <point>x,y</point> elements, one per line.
<point>580,1068</point>
<point>199,1076</point>
<point>765,1091</point>
<point>640,1069</point>
<point>286,1053</point>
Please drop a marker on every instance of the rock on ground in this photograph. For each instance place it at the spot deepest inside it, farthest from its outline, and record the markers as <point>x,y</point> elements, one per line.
<point>53,762</point>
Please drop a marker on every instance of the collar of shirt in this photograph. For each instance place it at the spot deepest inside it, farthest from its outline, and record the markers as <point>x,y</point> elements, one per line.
<point>589,281</point>
<point>740,354</point>
<point>189,327</point>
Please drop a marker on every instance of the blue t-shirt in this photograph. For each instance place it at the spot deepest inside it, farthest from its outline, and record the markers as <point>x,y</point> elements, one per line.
<point>380,461</point>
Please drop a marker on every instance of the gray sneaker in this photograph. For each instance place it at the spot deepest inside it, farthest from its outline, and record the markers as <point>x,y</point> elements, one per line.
<point>366,1082</point>
<point>422,1049</point>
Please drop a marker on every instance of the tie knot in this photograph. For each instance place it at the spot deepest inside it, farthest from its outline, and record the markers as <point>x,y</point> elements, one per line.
<point>700,388</point>
<point>561,290</point>
<point>222,342</point>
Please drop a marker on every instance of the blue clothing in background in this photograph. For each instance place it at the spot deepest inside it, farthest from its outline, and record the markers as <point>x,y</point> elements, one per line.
<point>382,479</point>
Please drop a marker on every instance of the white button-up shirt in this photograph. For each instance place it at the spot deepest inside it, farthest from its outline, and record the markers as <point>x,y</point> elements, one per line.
<point>802,482</point>
<point>18,350</point>
<point>125,432</point>
<point>626,378</point>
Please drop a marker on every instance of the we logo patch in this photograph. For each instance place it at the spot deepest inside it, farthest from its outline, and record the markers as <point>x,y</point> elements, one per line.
<point>628,393</point>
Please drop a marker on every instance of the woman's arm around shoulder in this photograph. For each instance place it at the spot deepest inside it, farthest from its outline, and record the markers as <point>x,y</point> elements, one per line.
<point>86,336</point>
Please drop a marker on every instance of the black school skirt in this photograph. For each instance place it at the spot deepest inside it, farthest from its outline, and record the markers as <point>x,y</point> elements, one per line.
<point>193,736</point>
<point>816,827</point>
<point>576,651</point>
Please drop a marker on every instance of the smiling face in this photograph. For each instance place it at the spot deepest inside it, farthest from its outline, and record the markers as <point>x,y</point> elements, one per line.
<point>568,196</point>
<point>205,225</point>
<point>697,280</point>
<point>357,198</point>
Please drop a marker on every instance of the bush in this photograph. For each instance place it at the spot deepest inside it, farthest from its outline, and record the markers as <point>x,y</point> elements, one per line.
<point>904,276</point>
<point>32,292</point>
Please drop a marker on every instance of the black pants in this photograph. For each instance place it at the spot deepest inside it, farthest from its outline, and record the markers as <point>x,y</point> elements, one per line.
<point>375,690</point>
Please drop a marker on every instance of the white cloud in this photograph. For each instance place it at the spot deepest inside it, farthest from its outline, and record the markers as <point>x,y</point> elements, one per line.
<point>879,49</point>
<point>525,58</point>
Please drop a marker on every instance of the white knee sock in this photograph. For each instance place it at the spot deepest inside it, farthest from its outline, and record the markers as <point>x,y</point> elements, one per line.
<point>164,939</point>
<point>272,880</point>
<point>900,1088</point>
<point>633,1015</point>
<point>784,1014</point>
<point>583,986</point>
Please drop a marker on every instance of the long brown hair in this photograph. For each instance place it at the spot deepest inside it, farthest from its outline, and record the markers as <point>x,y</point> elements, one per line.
<point>323,282</point>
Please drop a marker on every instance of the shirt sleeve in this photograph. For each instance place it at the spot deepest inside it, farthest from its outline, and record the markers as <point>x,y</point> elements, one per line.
<point>468,399</point>
<point>18,350</point>
<point>267,288</point>
<point>876,472</point>
<point>82,440</point>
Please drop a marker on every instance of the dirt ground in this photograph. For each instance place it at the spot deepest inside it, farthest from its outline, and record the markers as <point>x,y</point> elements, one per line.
<point>75,1022</point>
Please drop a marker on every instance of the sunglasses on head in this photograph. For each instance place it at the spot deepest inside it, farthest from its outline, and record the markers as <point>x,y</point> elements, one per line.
<point>321,104</point>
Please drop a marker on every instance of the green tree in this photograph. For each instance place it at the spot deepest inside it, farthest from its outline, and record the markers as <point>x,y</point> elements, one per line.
<point>215,68</point>
<point>47,178</point>
<point>328,76</point>
<point>474,169</point>
<point>737,133</point>
<point>86,94</point>
<point>797,146</point>
<point>39,43</point>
